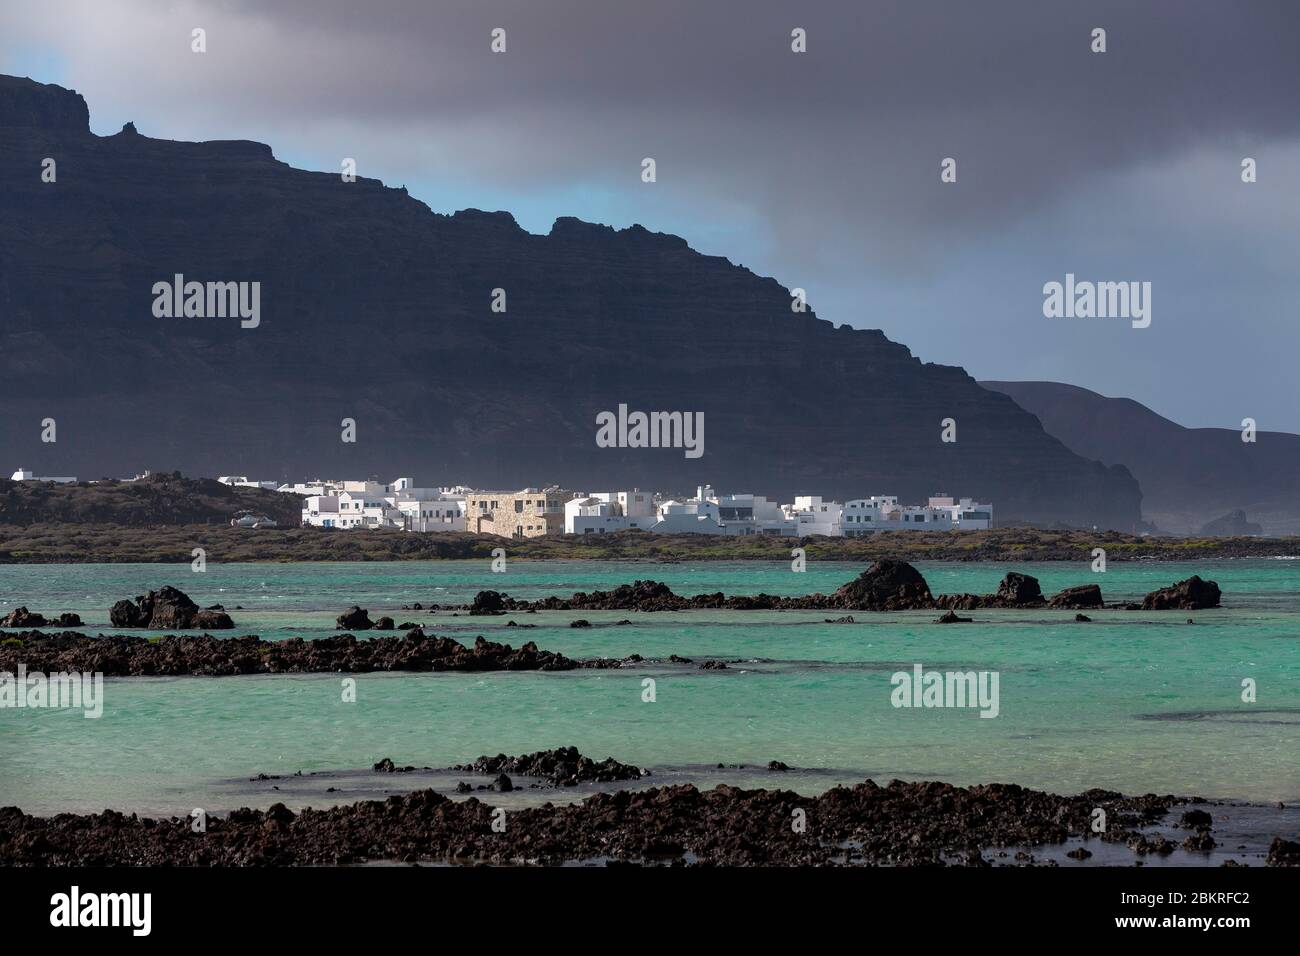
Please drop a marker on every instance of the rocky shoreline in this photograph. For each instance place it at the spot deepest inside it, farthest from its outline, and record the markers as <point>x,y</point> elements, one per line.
<point>208,656</point>
<point>903,824</point>
<point>888,585</point>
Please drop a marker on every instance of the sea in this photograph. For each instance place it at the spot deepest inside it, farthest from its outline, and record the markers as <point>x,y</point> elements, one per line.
<point>1200,703</point>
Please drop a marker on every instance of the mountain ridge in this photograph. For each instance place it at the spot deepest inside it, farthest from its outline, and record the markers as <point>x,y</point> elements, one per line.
<point>376,308</point>
<point>1190,477</point>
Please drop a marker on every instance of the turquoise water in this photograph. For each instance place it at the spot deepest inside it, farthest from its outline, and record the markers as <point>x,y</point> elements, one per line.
<point>1135,701</point>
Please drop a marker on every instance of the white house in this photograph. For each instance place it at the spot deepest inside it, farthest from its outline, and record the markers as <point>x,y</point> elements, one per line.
<point>812,515</point>
<point>967,514</point>
<point>436,512</point>
<point>601,511</point>
<point>243,481</point>
<point>371,504</point>
<point>22,474</point>
<point>863,516</point>
<point>711,513</point>
<point>321,511</point>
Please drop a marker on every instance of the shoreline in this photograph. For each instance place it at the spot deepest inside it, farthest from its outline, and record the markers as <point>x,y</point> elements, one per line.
<point>93,543</point>
<point>611,813</point>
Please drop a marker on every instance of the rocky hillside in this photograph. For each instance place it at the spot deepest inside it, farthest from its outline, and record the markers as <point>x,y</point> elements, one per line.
<point>148,502</point>
<point>1191,477</point>
<point>372,307</point>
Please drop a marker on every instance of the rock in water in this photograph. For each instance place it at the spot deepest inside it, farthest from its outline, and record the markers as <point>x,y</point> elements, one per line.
<point>950,617</point>
<point>1084,595</point>
<point>21,617</point>
<point>1283,853</point>
<point>125,614</point>
<point>1193,594</point>
<point>354,619</point>
<point>169,608</point>
<point>888,585</point>
<point>487,602</point>
<point>1019,590</point>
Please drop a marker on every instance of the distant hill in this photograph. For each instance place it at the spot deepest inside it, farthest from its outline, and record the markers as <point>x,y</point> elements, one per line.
<point>155,500</point>
<point>376,309</point>
<point>1189,476</point>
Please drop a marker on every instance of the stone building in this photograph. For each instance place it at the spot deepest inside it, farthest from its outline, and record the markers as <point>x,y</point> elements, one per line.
<point>529,513</point>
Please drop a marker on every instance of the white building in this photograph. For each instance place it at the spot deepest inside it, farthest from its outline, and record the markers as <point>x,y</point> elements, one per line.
<point>812,515</point>
<point>863,516</point>
<point>243,481</point>
<point>401,505</point>
<point>371,504</point>
<point>602,511</point>
<point>967,514</point>
<point>22,474</point>
<point>706,513</point>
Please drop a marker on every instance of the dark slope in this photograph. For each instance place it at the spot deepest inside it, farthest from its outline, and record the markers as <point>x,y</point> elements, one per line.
<point>160,499</point>
<point>1189,476</point>
<point>377,309</point>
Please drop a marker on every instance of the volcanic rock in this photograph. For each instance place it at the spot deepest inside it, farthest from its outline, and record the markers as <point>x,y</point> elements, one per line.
<point>21,617</point>
<point>902,824</point>
<point>1081,596</point>
<point>1019,590</point>
<point>1283,852</point>
<point>167,608</point>
<point>1233,523</point>
<point>887,585</point>
<point>488,602</point>
<point>121,656</point>
<point>950,617</point>
<point>354,619</point>
<point>1192,594</point>
<point>1197,819</point>
<point>562,767</point>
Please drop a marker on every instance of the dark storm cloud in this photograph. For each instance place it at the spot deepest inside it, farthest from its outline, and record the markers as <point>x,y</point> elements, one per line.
<point>856,126</point>
<point>848,136</point>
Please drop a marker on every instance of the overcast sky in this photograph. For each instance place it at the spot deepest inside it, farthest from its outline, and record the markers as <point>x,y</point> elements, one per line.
<point>821,169</point>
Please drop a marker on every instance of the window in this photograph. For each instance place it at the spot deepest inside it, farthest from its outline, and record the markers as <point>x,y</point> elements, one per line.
<point>519,507</point>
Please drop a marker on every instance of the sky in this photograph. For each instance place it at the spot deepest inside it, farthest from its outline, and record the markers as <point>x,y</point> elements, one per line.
<point>821,168</point>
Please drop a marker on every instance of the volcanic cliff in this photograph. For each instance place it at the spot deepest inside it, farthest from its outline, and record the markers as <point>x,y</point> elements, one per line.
<point>377,309</point>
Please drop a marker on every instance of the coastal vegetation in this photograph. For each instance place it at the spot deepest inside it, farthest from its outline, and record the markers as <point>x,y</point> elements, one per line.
<point>76,543</point>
